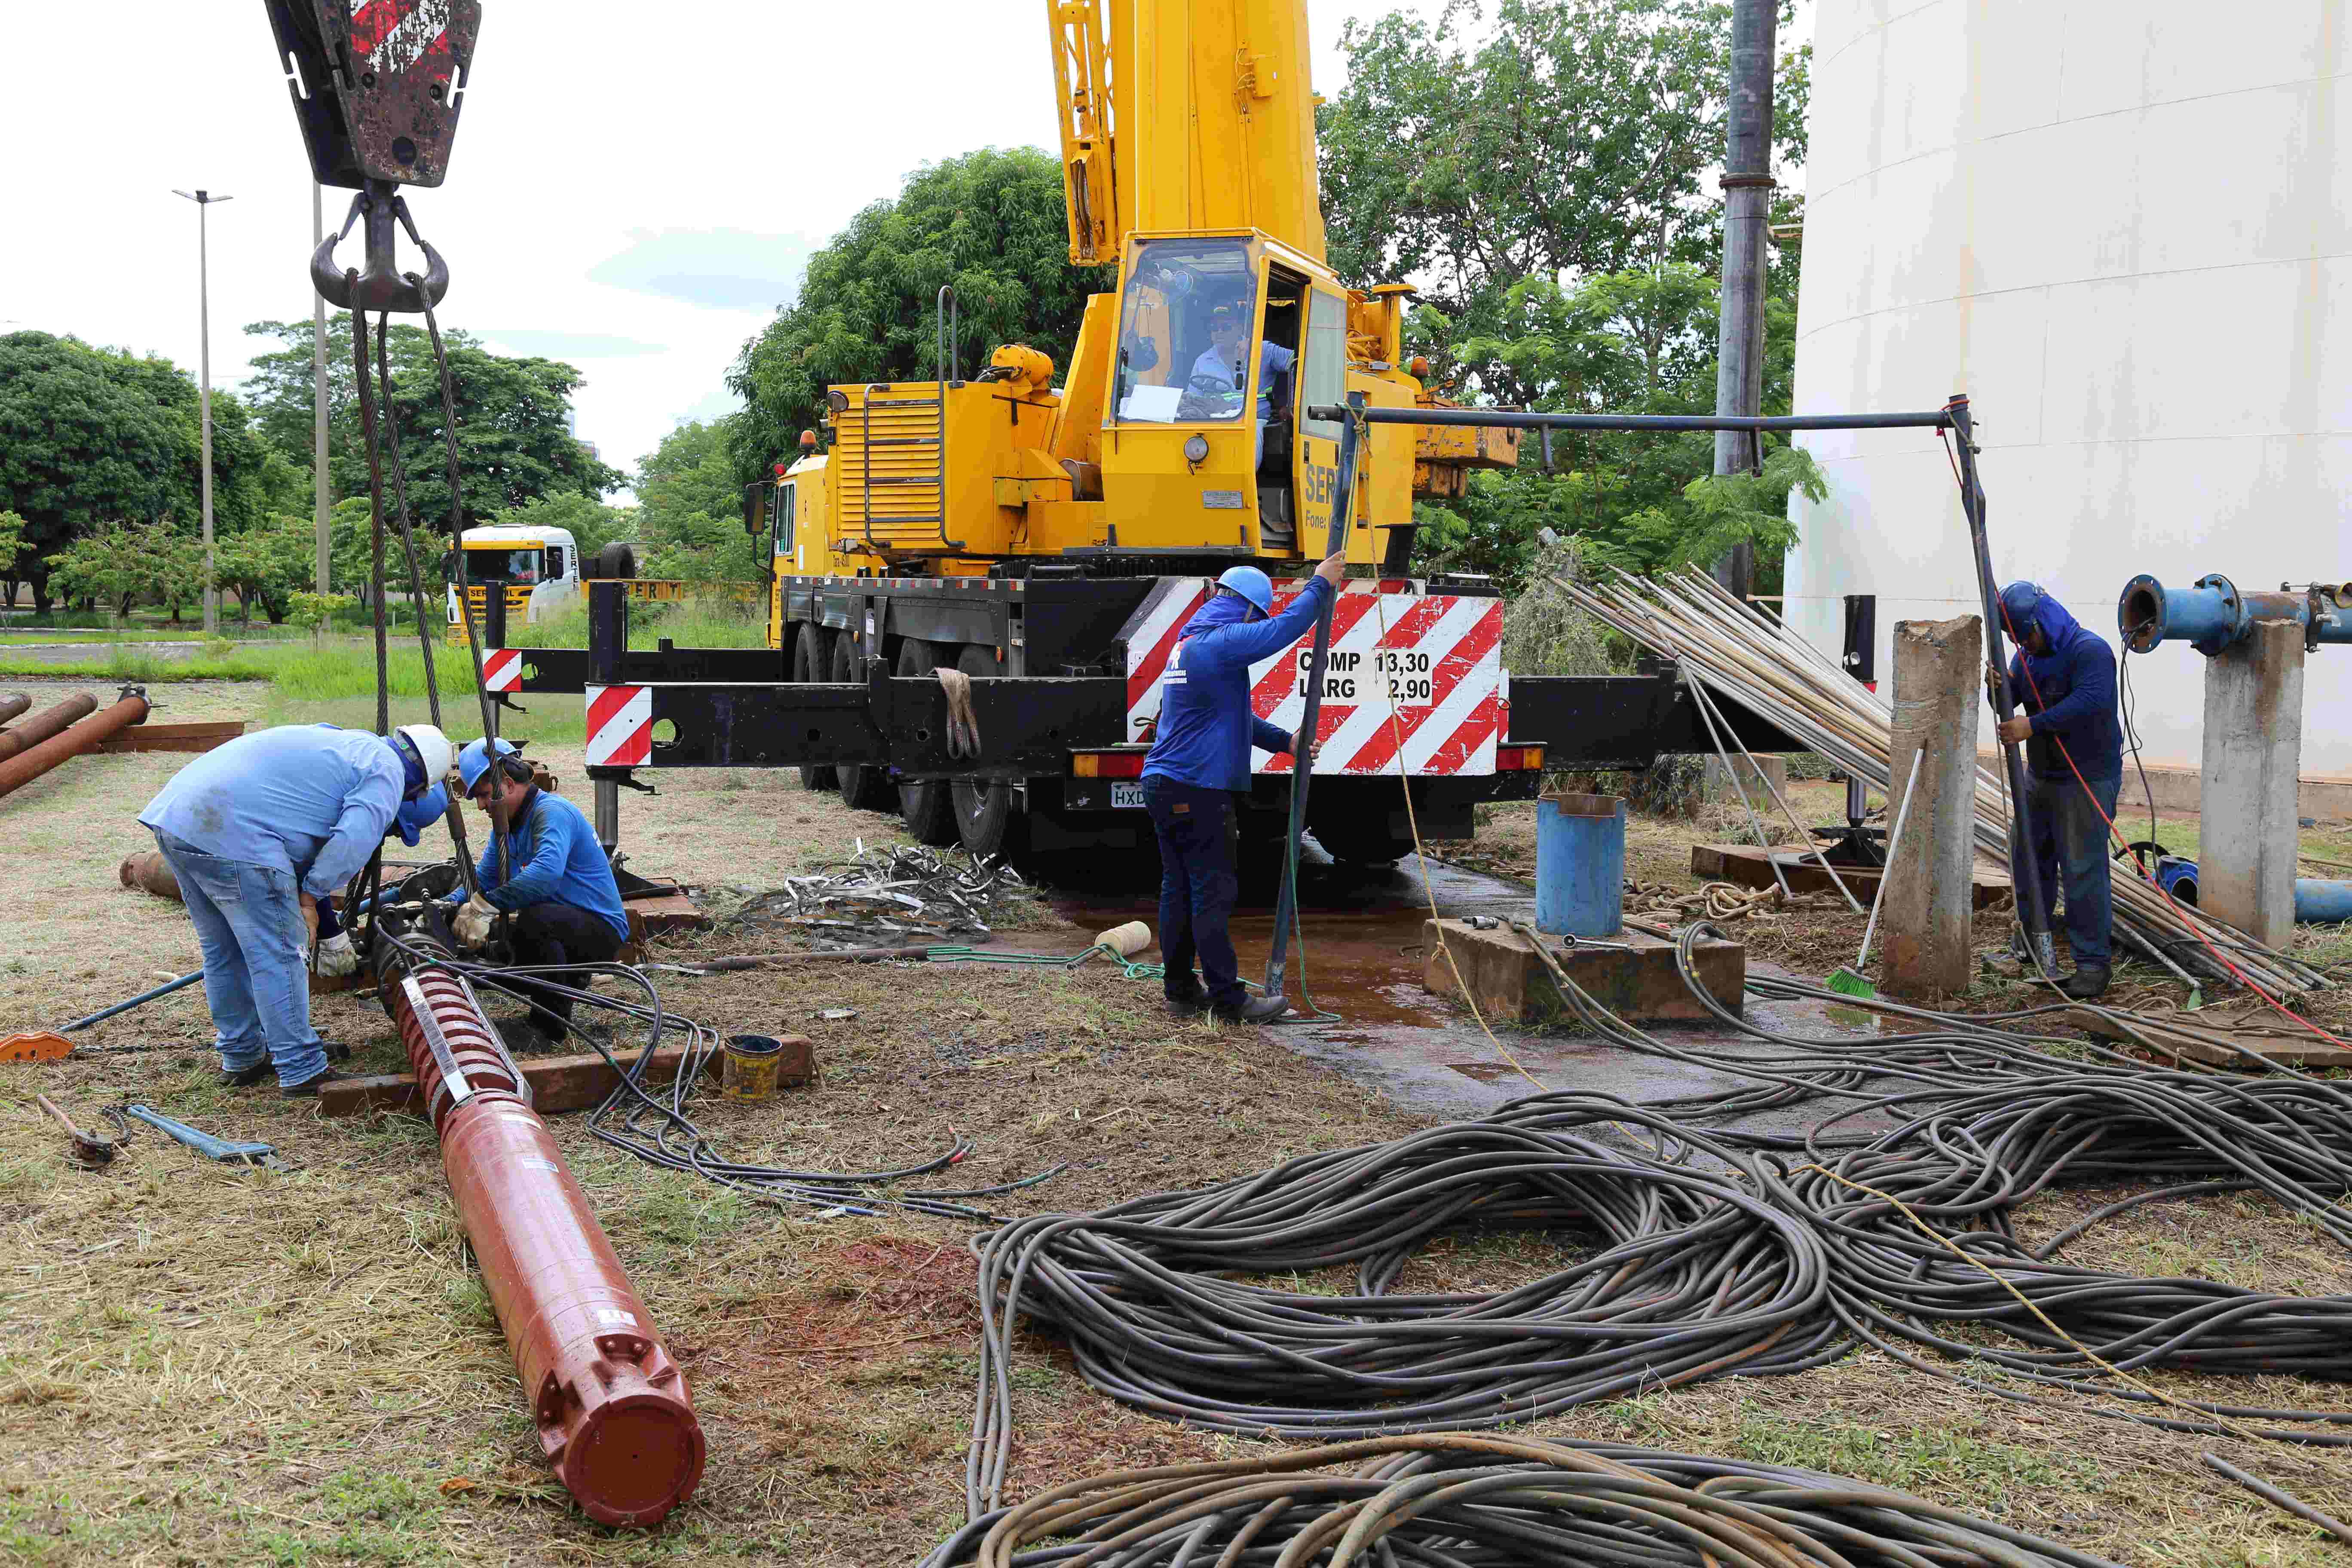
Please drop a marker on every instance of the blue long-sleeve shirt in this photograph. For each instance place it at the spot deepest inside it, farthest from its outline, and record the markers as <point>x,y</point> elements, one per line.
<point>555,859</point>
<point>304,798</point>
<point>1206,725</point>
<point>2068,695</point>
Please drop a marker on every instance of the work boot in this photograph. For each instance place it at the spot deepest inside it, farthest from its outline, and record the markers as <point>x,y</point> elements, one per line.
<point>245,1078</point>
<point>1190,1004</point>
<point>1256,1010</point>
<point>309,1088</point>
<point>2087,981</point>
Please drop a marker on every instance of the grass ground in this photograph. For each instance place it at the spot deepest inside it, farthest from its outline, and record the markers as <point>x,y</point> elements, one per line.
<point>203,1365</point>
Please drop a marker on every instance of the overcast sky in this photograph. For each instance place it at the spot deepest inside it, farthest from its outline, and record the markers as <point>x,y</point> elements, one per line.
<point>633,186</point>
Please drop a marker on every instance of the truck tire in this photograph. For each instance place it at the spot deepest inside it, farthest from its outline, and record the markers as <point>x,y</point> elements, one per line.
<point>618,559</point>
<point>928,806</point>
<point>985,817</point>
<point>812,662</point>
<point>864,785</point>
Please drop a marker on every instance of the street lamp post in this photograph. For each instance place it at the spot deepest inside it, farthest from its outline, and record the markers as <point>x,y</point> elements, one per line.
<point>322,504</point>
<point>204,200</point>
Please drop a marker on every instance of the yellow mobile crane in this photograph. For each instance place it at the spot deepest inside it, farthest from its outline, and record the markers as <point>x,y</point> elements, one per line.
<point>1188,156</point>
<point>1003,525</point>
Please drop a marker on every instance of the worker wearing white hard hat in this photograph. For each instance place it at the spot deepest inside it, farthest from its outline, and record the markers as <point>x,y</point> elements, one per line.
<point>555,880</point>
<point>253,830</point>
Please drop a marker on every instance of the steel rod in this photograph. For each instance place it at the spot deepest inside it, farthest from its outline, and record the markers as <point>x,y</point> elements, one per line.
<point>1516,419</point>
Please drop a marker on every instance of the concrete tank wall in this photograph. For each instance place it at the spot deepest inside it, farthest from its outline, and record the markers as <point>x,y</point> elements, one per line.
<point>2125,228</point>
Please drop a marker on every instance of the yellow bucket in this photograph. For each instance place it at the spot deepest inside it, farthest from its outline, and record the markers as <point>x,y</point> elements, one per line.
<point>747,1069</point>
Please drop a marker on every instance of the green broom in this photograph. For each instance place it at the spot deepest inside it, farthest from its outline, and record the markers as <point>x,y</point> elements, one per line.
<point>1852,982</point>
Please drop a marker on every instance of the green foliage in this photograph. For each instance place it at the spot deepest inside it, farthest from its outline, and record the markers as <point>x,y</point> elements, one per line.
<point>315,610</point>
<point>592,525</point>
<point>514,442</point>
<point>1552,138</point>
<point>12,534</point>
<point>120,564</point>
<point>990,223</point>
<point>267,564</point>
<point>690,512</point>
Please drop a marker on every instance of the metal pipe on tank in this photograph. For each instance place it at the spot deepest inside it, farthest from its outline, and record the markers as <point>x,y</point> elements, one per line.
<point>48,721</point>
<point>34,760</point>
<point>610,1406</point>
<point>2213,613</point>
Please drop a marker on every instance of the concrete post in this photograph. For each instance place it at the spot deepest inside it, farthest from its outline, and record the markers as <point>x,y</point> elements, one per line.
<point>2253,749</point>
<point>1924,901</point>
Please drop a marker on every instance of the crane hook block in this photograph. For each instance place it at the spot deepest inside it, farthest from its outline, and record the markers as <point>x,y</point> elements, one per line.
<point>377,84</point>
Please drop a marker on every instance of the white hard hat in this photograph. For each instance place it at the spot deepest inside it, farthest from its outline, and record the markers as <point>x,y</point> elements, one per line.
<point>433,749</point>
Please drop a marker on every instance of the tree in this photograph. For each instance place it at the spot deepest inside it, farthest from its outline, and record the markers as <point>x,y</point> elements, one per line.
<point>991,223</point>
<point>121,564</point>
<point>514,437</point>
<point>1622,343</point>
<point>267,564</point>
<point>690,512</point>
<point>1566,138</point>
<point>83,440</point>
<point>592,523</point>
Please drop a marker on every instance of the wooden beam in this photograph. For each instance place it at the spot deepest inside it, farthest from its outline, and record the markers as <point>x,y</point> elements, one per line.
<point>200,735</point>
<point>557,1084</point>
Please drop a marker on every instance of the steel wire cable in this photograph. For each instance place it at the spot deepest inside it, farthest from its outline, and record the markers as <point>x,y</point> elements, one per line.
<point>1695,1275</point>
<point>1455,1499</point>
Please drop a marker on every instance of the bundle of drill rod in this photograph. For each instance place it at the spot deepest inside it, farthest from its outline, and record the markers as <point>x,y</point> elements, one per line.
<point>1727,649</point>
<point>1457,1500</point>
<point>894,894</point>
<point>1675,1252</point>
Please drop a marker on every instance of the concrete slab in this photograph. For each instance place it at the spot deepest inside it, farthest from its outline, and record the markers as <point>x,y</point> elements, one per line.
<point>1636,978</point>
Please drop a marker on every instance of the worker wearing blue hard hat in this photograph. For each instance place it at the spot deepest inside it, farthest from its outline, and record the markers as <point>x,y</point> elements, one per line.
<point>557,884</point>
<point>255,830</point>
<point>2062,678</point>
<point>1200,758</point>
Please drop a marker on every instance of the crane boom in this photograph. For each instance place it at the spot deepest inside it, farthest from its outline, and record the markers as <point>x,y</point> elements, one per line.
<point>1184,115</point>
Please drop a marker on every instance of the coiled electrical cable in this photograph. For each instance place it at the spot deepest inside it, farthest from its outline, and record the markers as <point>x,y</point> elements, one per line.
<point>1696,1275</point>
<point>1458,1500</point>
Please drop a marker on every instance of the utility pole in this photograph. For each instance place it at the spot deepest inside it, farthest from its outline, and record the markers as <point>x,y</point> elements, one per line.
<point>322,502</point>
<point>1746,204</point>
<point>204,200</point>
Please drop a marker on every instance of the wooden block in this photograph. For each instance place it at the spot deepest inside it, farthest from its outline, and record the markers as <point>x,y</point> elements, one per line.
<point>1639,980</point>
<point>557,1084</point>
<point>663,908</point>
<point>200,735</point>
<point>1750,867</point>
<point>2218,1044</point>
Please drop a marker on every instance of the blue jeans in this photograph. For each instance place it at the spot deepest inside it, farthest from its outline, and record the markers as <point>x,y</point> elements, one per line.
<point>248,920</point>
<point>2070,848</point>
<point>1197,888</point>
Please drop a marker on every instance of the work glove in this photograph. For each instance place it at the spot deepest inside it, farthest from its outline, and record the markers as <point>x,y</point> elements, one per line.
<point>335,957</point>
<point>472,925</point>
<point>1992,688</point>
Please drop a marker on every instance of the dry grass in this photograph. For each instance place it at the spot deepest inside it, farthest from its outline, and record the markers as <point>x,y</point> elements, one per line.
<point>200,1364</point>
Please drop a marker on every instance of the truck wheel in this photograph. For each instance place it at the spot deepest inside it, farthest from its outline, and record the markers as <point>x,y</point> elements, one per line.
<point>865,786</point>
<point>811,665</point>
<point>928,806</point>
<point>618,559</point>
<point>983,810</point>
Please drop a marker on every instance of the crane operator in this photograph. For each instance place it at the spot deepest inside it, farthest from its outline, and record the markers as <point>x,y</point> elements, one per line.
<point>1221,365</point>
<point>1200,757</point>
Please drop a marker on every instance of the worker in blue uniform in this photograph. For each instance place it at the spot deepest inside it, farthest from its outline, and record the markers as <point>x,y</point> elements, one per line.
<point>2063,677</point>
<point>1200,758</point>
<point>559,884</point>
<point>255,829</point>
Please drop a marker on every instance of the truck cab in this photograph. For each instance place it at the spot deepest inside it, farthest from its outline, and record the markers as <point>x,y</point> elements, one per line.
<point>538,569</point>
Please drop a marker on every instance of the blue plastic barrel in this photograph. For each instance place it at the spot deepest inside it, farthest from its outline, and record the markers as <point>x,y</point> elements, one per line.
<point>1581,865</point>
<point>2318,902</point>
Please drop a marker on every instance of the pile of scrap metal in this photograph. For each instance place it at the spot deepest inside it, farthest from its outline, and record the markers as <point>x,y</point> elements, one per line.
<point>886,898</point>
<point>51,736</point>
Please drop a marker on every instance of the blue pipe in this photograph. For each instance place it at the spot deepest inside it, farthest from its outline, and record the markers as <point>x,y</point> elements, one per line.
<point>181,983</point>
<point>2316,902</point>
<point>2213,613</point>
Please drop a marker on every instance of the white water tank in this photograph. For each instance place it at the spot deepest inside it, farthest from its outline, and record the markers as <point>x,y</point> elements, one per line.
<point>2122,228</point>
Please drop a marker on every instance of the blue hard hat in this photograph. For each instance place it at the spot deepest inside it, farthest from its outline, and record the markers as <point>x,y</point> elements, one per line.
<point>1252,584</point>
<point>2019,602</point>
<point>415,816</point>
<point>474,758</point>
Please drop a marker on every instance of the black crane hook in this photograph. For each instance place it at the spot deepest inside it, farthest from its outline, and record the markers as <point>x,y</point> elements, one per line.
<point>382,285</point>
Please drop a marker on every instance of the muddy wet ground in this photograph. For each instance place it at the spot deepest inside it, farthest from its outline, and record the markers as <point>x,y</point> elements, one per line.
<point>1364,958</point>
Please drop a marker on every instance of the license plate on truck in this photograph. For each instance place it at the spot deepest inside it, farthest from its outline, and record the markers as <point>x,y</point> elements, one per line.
<point>1126,796</point>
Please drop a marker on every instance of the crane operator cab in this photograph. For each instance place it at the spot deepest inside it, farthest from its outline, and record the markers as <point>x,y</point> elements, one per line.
<point>1224,340</point>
